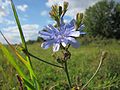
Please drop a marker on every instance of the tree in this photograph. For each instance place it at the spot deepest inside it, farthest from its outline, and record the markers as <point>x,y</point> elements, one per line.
<point>103,19</point>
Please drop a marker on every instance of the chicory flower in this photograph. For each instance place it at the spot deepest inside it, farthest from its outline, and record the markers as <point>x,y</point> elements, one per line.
<point>63,35</point>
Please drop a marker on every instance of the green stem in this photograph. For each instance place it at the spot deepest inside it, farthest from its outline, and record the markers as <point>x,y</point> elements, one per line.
<point>67,74</point>
<point>44,61</point>
<point>19,25</point>
<point>24,43</point>
<point>99,66</point>
<point>20,31</point>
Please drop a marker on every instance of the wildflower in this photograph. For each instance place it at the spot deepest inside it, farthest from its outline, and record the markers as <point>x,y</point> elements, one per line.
<point>63,35</point>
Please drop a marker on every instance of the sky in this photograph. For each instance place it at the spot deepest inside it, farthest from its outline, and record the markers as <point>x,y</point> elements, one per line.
<point>34,15</point>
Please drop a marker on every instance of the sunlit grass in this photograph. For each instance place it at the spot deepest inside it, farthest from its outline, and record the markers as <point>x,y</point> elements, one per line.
<point>82,64</point>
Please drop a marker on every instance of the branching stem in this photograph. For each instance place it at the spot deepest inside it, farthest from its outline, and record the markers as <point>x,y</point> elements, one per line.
<point>44,61</point>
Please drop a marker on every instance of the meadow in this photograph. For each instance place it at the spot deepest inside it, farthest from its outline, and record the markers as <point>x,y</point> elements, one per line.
<point>82,65</point>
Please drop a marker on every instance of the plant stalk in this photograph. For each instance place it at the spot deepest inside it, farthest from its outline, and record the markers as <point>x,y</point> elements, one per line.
<point>99,66</point>
<point>44,61</point>
<point>67,74</point>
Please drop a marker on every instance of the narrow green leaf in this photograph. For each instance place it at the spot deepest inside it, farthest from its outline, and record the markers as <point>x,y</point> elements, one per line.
<point>29,85</point>
<point>11,59</point>
<point>19,56</point>
<point>19,25</point>
<point>32,75</point>
<point>22,38</point>
<point>13,62</point>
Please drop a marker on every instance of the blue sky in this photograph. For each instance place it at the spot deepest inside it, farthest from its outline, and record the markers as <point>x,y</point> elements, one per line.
<point>34,15</point>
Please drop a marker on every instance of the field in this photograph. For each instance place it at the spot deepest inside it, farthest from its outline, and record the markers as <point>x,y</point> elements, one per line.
<point>82,65</point>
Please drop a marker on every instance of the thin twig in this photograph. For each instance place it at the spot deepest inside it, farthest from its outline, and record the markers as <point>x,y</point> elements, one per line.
<point>99,66</point>
<point>44,61</point>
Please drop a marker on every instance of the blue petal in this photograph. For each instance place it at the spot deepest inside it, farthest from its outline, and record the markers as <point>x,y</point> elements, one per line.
<point>48,29</point>
<point>82,32</point>
<point>45,35</point>
<point>70,25</point>
<point>64,42</point>
<point>74,34</point>
<point>55,30</point>
<point>81,27</point>
<point>56,47</point>
<point>73,42</point>
<point>47,44</point>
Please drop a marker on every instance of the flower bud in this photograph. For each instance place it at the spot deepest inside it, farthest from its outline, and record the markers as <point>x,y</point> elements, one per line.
<point>79,17</point>
<point>60,10</point>
<point>65,6</point>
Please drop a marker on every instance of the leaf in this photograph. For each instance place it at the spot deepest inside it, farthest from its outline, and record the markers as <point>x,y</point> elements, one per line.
<point>29,65</point>
<point>13,62</point>
<point>11,59</point>
<point>19,56</point>
<point>23,41</point>
<point>29,85</point>
<point>18,24</point>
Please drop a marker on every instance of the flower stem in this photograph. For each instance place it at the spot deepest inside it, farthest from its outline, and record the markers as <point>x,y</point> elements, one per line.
<point>99,66</point>
<point>44,61</point>
<point>67,74</point>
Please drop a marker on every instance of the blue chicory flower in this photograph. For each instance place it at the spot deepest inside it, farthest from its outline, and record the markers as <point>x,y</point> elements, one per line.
<point>64,35</point>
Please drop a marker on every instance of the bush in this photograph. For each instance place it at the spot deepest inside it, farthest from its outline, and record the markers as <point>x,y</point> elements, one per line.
<point>103,19</point>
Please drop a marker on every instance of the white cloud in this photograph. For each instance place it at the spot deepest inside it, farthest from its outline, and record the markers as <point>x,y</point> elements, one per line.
<point>4,7</point>
<point>22,7</point>
<point>12,33</point>
<point>75,6</point>
<point>2,13</point>
<point>6,21</point>
<point>44,13</point>
<point>52,2</point>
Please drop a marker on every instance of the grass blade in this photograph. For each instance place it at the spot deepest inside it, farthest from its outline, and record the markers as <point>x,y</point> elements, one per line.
<point>19,25</point>
<point>13,62</point>
<point>19,56</point>
<point>11,59</point>
<point>32,75</point>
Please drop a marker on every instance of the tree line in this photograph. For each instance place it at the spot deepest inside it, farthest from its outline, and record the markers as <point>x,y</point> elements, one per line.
<point>103,19</point>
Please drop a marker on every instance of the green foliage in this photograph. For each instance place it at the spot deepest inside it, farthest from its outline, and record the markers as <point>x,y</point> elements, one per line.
<point>13,62</point>
<point>103,19</point>
<point>48,80</point>
<point>26,62</point>
<point>82,65</point>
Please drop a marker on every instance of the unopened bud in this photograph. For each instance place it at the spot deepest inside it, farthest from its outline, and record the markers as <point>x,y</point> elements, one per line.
<point>55,8</point>
<point>52,13</point>
<point>65,6</point>
<point>79,17</point>
<point>60,10</point>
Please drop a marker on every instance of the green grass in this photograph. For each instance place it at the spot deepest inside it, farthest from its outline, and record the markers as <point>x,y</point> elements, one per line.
<point>82,65</point>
